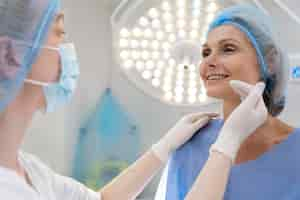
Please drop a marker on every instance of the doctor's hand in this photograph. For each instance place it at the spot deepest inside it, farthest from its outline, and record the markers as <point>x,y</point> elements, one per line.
<point>180,134</point>
<point>244,120</point>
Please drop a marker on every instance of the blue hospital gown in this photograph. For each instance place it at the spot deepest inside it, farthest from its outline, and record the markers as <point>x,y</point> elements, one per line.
<point>273,175</point>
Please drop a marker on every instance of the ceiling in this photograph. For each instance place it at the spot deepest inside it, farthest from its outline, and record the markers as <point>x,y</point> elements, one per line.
<point>289,28</point>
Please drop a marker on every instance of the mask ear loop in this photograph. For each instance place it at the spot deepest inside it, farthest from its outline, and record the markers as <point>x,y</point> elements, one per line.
<point>39,83</point>
<point>19,42</point>
<point>51,48</point>
<point>34,82</point>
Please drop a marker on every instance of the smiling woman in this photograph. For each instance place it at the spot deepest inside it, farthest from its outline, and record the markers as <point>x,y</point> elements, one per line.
<point>240,45</point>
<point>227,55</point>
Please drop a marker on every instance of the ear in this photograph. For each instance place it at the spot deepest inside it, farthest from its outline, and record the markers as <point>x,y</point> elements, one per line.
<point>9,64</point>
<point>272,59</point>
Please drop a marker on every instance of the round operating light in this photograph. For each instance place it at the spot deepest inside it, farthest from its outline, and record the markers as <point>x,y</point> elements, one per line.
<point>149,64</point>
<point>202,98</point>
<point>178,98</point>
<point>157,73</point>
<point>166,46</point>
<point>148,33</point>
<point>153,13</point>
<point>144,21</point>
<point>193,75</point>
<point>181,67</point>
<point>180,75</point>
<point>137,32</point>
<point>168,96</point>
<point>182,33</point>
<point>181,13</point>
<point>172,62</point>
<point>195,23</point>
<point>169,71</point>
<point>144,44</point>
<point>128,64</point>
<point>212,7</point>
<point>124,55</point>
<point>124,33</point>
<point>146,74</point>
<point>124,43</point>
<point>196,13</point>
<point>163,47</point>
<point>194,34</point>
<point>140,65</point>
<point>155,44</point>
<point>172,38</point>
<point>155,55</point>
<point>192,99</point>
<point>181,23</point>
<point>192,68</point>
<point>168,81</point>
<point>197,4</point>
<point>156,24</point>
<point>179,82</point>
<point>166,55</point>
<point>209,18</point>
<point>193,83</point>
<point>181,3</point>
<point>166,6</point>
<point>156,82</point>
<point>160,64</point>
<point>134,44</point>
<point>145,55</point>
<point>160,35</point>
<point>192,91</point>
<point>169,27</point>
<point>167,17</point>
<point>135,55</point>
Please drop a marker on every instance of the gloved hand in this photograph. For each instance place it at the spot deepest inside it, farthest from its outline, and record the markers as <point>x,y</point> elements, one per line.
<point>243,121</point>
<point>180,133</point>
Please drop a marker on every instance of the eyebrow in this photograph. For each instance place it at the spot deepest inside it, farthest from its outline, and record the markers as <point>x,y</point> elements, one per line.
<point>223,41</point>
<point>60,16</point>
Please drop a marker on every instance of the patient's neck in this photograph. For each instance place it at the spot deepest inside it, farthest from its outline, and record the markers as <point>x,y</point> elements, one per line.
<point>272,132</point>
<point>259,134</point>
<point>229,106</point>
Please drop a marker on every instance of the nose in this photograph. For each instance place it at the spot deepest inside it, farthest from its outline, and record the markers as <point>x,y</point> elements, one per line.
<point>208,63</point>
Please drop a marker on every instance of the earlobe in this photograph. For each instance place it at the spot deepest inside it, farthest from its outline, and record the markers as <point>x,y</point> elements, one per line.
<point>8,59</point>
<point>272,59</point>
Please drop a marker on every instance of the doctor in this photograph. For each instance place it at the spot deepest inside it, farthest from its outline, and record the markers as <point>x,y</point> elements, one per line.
<point>38,71</point>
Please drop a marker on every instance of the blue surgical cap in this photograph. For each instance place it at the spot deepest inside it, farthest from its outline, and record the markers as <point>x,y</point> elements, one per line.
<point>24,25</point>
<point>260,31</point>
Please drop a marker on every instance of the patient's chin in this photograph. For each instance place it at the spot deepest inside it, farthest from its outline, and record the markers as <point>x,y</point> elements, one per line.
<point>218,92</point>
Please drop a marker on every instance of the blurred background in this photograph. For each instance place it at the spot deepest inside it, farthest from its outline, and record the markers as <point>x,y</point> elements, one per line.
<point>139,75</point>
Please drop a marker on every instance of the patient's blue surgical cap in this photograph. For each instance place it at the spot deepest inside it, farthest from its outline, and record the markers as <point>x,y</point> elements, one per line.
<point>24,25</point>
<point>260,30</point>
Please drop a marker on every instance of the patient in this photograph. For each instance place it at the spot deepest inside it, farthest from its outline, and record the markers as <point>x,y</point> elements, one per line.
<point>241,45</point>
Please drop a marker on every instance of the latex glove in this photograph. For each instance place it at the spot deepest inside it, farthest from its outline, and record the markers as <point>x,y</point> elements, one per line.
<point>184,129</point>
<point>243,121</point>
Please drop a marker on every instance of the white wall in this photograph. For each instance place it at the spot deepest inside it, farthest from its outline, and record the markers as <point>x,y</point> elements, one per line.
<point>292,109</point>
<point>52,136</point>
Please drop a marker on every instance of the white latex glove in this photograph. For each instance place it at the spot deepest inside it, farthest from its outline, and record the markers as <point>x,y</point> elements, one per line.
<point>243,121</point>
<point>184,129</point>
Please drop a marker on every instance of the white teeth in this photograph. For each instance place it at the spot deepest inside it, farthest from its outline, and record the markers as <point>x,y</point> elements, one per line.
<point>216,77</point>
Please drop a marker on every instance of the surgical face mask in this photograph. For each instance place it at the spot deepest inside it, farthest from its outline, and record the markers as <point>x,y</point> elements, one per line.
<point>59,93</point>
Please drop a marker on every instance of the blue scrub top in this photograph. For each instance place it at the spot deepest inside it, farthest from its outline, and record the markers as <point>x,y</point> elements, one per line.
<point>273,175</point>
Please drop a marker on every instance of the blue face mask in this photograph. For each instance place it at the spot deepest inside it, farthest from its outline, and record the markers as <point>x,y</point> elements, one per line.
<point>59,93</point>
